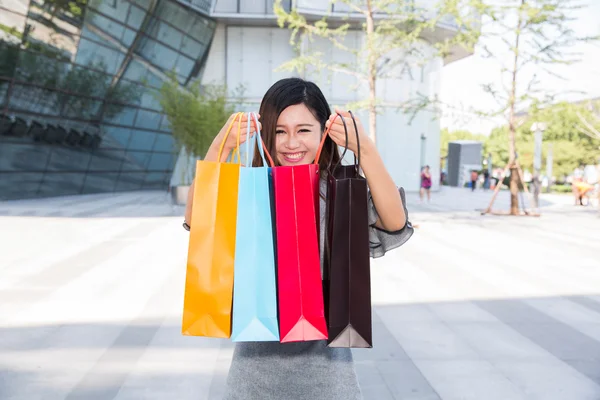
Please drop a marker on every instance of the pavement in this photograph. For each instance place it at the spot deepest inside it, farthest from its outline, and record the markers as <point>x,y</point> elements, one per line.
<point>472,307</point>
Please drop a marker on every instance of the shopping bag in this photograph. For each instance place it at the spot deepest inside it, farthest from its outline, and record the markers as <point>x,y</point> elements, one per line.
<point>301,309</point>
<point>209,277</point>
<point>347,270</point>
<point>254,289</point>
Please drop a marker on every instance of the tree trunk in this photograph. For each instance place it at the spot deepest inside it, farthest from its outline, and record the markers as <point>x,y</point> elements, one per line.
<point>512,146</point>
<point>372,71</point>
<point>514,190</point>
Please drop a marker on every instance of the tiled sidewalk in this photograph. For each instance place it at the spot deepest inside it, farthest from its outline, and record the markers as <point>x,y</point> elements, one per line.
<point>470,308</point>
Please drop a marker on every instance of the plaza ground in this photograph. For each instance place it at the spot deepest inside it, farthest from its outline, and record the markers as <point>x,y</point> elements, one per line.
<point>472,307</point>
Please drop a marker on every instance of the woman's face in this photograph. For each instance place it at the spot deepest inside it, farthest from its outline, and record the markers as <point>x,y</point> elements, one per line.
<point>298,134</point>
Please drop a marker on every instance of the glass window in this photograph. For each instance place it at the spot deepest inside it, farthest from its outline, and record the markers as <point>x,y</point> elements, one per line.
<point>68,159</point>
<point>125,116</point>
<point>82,107</point>
<point>149,100</point>
<point>156,180</point>
<point>192,48</point>
<point>9,56</point>
<point>25,156</point>
<point>168,34</point>
<point>41,70</point>
<point>20,185</point>
<point>105,57</point>
<point>147,120</point>
<point>130,181</point>
<point>135,71</point>
<point>106,160</point>
<point>161,162</point>
<point>202,30</point>
<point>100,182</point>
<point>108,26</point>
<point>117,9</point>
<point>184,67</point>
<point>115,136</point>
<point>136,161</point>
<point>164,143</point>
<point>136,16</point>
<point>31,98</point>
<point>61,184</point>
<point>141,140</point>
<point>157,54</point>
<point>164,124</point>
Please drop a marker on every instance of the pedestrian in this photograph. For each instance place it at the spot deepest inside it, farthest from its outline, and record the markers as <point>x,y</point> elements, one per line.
<point>486,179</point>
<point>474,177</point>
<point>425,183</point>
<point>294,115</point>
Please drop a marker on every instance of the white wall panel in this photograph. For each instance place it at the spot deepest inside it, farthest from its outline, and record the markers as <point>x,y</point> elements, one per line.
<point>226,6</point>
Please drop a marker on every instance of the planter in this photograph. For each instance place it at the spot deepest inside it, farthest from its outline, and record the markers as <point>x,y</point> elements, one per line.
<point>179,195</point>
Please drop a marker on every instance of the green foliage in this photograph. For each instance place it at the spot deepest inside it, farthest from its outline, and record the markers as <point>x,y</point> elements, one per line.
<point>561,189</point>
<point>196,114</point>
<point>536,34</point>
<point>565,130</point>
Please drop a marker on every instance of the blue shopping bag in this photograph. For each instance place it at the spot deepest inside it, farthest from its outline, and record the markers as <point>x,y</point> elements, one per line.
<point>254,287</point>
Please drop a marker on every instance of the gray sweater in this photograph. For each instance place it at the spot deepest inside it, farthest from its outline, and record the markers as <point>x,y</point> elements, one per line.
<point>305,370</point>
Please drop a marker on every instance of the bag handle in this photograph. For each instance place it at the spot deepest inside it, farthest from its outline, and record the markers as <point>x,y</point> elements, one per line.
<point>318,156</point>
<point>261,146</point>
<point>356,156</point>
<point>237,148</point>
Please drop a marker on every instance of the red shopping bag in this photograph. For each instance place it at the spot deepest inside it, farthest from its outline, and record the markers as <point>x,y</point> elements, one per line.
<point>300,290</point>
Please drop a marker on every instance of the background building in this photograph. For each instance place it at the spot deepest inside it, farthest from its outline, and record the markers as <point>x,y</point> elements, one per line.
<point>78,80</point>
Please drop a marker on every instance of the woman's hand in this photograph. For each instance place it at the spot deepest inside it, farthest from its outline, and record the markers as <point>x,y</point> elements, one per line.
<point>231,142</point>
<point>241,126</point>
<point>338,134</point>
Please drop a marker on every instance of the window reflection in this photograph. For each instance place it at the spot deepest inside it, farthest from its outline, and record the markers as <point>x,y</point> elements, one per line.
<point>78,92</point>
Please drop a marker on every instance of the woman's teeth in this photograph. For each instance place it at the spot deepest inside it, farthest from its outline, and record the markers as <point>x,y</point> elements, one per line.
<point>294,156</point>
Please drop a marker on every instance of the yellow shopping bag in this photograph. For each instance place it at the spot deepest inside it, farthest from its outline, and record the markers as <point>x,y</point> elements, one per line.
<point>209,278</point>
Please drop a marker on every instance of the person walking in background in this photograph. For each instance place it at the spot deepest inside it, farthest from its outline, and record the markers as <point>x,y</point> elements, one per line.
<point>486,179</point>
<point>474,176</point>
<point>425,183</point>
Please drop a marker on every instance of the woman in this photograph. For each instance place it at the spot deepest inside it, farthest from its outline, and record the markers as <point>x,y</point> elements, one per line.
<point>293,117</point>
<point>425,183</point>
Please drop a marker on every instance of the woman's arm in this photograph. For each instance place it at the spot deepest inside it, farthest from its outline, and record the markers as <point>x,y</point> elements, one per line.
<point>386,197</point>
<point>239,125</point>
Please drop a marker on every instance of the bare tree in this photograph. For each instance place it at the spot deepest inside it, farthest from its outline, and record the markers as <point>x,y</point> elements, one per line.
<point>394,32</point>
<point>534,33</point>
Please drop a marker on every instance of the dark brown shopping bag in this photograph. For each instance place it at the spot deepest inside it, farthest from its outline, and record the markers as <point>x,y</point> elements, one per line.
<point>347,270</point>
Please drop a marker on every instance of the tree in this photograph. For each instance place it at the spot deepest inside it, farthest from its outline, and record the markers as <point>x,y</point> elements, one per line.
<point>535,33</point>
<point>573,143</point>
<point>195,114</point>
<point>394,33</point>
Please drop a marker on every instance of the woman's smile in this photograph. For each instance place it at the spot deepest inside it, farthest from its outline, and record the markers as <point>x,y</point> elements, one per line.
<point>294,158</point>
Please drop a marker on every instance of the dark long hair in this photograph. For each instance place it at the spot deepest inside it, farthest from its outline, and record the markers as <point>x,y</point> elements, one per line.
<point>288,92</point>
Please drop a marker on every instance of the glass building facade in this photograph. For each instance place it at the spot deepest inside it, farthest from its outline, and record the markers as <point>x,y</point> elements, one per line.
<point>79,111</point>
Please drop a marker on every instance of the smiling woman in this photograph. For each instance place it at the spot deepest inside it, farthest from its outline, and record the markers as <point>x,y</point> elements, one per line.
<point>294,116</point>
<point>298,136</point>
